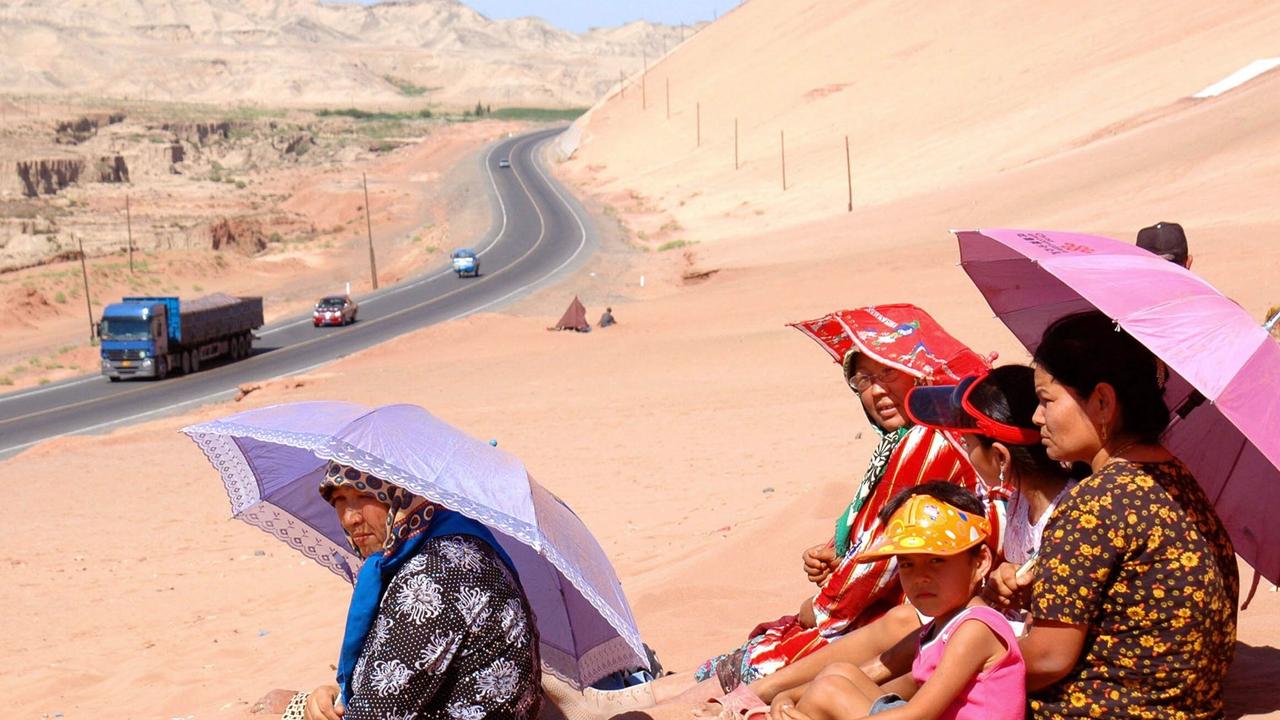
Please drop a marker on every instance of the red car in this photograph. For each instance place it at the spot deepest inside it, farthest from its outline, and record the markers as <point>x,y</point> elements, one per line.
<point>334,310</point>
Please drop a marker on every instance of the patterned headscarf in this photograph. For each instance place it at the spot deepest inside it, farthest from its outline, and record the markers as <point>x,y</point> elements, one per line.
<point>902,337</point>
<point>407,514</point>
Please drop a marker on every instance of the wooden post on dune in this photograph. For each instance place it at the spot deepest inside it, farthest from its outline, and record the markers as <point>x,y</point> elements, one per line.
<point>373,265</point>
<point>782,144</point>
<point>644,81</point>
<point>848,171</point>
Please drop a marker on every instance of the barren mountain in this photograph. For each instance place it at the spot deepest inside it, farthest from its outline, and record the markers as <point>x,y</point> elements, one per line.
<point>307,52</point>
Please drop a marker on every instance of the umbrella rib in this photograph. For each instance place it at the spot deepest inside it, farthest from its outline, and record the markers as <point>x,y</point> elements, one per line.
<point>1244,442</point>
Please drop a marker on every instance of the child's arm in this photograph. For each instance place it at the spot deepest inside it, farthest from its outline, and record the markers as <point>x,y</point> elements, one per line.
<point>968,651</point>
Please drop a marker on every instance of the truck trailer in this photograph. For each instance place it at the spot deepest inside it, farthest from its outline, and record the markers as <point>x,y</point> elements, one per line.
<point>160,336</point>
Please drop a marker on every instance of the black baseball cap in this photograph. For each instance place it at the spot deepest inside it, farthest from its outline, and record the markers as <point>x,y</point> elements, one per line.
<point>1165,239</point>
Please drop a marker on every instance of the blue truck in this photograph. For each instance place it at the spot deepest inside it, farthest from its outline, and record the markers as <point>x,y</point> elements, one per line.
<point>156,337</point>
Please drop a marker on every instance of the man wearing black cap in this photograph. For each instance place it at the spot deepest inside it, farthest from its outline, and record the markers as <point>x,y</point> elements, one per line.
<point>1167,240</point>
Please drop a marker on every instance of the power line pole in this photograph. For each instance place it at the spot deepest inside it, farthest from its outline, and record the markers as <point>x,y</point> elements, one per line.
<point>848,171</point>
<point>88,306</point>
<point>373,265</point>
<point>128,219</point>
<point>782,143</point>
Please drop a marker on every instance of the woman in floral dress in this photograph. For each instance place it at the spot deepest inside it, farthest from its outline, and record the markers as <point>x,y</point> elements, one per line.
<point>439,626</point>
<point>1134,603</point>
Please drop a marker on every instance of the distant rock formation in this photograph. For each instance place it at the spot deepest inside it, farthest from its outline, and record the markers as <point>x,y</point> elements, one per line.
<point>310,52</point>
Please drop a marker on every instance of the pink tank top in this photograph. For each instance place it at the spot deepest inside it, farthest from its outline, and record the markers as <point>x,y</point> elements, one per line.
<point>999,693</point>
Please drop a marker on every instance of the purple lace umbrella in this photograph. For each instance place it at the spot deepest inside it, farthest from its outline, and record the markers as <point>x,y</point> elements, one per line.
<point>1224,387</point>
<point>272,459</point>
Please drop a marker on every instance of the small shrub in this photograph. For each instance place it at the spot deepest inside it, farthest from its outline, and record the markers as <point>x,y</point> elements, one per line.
<point>197,288</point>
<point>60,298</point>
<point>6,380</point>
<point>240,185</point>
<point>44,381</point>
<point>673,245</point>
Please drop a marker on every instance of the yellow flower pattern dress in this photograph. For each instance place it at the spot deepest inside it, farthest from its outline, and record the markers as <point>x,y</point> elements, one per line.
<point>1137,554</point>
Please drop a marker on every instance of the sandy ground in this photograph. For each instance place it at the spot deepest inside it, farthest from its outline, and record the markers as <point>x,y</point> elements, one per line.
<point>705,443</point>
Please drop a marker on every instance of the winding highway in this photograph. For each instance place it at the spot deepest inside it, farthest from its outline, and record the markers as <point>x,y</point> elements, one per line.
<point>538,233</point>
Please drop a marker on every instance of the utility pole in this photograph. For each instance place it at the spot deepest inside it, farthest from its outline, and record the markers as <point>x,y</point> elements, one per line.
<point>88,306</point>
<point>373,265</point>
<point>128,220</point>
<point>782,143</point>
<point>644,81</point>
<point>848,171</point>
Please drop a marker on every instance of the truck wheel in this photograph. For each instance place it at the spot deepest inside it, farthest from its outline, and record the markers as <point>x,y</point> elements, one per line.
<point>186,363</point>
<point>162,368</point>
<point>113,378</point>
<point>195,361</point>
<point>248,344</point>
<point>234,344</point>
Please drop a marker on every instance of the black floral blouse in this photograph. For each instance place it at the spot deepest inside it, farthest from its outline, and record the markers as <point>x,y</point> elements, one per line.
<point>1137,553</point>
<point>454,639</point>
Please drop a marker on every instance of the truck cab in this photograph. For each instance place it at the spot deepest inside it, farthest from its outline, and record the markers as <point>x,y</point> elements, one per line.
<point>135,339</point>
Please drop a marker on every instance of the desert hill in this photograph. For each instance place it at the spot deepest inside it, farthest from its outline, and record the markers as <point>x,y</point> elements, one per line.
<point>1079,115</point>
<point>308,52</point>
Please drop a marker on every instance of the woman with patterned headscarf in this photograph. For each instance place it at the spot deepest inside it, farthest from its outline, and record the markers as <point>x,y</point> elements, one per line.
<point>884,351</point>
<point>438,625</point>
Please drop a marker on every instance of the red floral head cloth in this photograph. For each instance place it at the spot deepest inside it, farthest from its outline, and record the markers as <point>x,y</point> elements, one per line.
<point>899,336</point>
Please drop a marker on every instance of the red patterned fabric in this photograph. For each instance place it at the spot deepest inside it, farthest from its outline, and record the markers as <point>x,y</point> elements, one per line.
<point>901,336</point>
<point>908,339</point>
<point>855,594</point>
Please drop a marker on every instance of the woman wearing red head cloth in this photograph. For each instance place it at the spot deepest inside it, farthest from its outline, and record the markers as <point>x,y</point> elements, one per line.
<point>884,350</point>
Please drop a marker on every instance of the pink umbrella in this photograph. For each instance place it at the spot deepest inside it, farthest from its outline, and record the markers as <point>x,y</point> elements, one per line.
<point>1224,389</point>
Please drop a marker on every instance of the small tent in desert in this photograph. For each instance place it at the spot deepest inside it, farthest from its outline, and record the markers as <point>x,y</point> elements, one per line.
<point>574,318</point>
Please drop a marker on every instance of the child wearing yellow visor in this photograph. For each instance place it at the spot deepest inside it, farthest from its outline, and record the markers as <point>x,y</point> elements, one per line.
<point>966,664</point>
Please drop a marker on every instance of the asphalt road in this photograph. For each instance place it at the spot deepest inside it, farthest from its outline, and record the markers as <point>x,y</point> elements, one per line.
<point>538,233</point>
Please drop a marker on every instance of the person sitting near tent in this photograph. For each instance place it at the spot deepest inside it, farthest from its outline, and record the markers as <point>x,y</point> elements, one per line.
<point>884,351</point>
<point>606,318</point>
<point>439,626</point>
<point>1134,602</point>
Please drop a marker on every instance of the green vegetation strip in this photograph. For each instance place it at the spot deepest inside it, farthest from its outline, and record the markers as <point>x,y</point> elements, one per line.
<point>537,114</point>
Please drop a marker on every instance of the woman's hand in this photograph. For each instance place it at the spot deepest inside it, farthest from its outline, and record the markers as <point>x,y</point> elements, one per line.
<point>819,561</point>
<point>1007,588</point>
<point>322,704</point>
